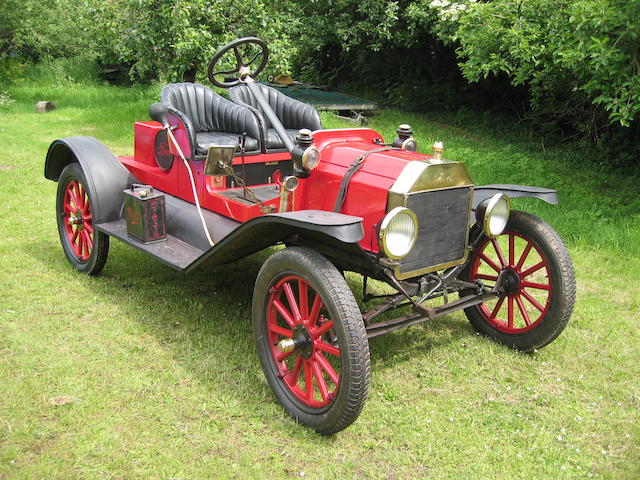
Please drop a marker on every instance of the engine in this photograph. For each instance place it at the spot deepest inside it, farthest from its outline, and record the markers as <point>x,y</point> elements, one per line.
<point>415,208</point>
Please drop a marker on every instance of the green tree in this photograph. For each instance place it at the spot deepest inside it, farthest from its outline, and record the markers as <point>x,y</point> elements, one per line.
<point>165,38</point>
<point>579,58</point>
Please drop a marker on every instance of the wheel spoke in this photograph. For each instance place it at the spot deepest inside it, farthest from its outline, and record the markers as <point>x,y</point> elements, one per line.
<point>325,347</point>
<point>512,248</point>
<point>76,243</point>
<point>523,311</point>
<point>82,195</point>
<point>510,313</point>
<point>524,255</point>
<point>490,262</point>
<point>532,300</point>
<point>87,227</point>
<point>89,241</point>
<point>315,310</point>
<point>225,72</point>
<point>326,366</point>
<point>253,59</point>
<point>308,381</point>
<point>281,331</point>
<point>496,309</point>
<point>236,52</point>
<point>74,199</point>
<point>498,250</point>
<point>293,379</point>
<point>535,268</point>
<point>283,312</point>
<point>322,329</point>
<point>293,304</point>
<point>81,244</point>
<point>304,299</point>
<point>538,286</point>
<point>322,385</point>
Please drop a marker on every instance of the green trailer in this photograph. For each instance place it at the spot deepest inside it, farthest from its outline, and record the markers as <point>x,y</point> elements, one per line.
<point>347,106</point>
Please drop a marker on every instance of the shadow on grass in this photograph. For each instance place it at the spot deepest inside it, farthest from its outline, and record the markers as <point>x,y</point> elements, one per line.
<point>204,320</point>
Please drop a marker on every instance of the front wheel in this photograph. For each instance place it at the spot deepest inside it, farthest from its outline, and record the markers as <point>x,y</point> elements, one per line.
<point>311,339</point>
<point>538,281</point>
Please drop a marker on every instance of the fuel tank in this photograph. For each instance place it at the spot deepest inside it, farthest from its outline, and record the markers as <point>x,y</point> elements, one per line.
<point>379,185</point>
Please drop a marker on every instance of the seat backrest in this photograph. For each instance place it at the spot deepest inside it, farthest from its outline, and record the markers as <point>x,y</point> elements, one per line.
<point>208,111</point>
<point>292,113</point>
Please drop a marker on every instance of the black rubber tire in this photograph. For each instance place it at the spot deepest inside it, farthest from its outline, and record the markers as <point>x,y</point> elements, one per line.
<point>98,257</point>
<point>349,328</point>
<point>563,283</point>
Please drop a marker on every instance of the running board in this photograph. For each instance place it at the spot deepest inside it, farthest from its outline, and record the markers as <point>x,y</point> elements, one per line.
<point>172,251</point>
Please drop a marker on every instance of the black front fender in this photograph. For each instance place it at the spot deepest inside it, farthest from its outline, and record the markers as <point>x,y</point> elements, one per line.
<point>106,176</point>
<point>335,231</point>
<point>514,191</point>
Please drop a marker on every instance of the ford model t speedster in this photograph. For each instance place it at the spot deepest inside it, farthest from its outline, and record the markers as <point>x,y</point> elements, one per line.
<point>212,180</point>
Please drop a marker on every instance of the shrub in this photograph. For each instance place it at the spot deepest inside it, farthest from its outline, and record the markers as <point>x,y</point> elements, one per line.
<point>579,58</point>
<point>164,39</point>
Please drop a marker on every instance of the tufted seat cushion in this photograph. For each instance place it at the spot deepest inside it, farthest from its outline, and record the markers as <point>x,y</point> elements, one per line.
<point>205,139</point>
<point>209,118</point>
<point>293,114</point>
<point>274,141</point>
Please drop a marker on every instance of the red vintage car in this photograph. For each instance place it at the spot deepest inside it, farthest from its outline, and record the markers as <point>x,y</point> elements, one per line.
<point>212,180</point>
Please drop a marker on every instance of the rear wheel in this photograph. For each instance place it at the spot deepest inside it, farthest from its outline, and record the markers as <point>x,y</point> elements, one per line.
<point>538,280</point>
<point>311,339</point>
<point>85,248</point>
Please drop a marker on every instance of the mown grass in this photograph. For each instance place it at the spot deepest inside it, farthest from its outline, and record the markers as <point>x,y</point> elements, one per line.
<point>146,373</point>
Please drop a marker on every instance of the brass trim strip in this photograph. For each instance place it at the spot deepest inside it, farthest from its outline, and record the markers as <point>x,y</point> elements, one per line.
<point>417,273</point>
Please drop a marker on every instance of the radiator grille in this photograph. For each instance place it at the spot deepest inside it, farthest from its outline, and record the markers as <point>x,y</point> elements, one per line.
<point>443,225</point>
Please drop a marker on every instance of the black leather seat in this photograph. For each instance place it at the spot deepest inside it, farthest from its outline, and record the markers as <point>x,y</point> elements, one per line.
<point>293,114</point>
<point>209,118</point>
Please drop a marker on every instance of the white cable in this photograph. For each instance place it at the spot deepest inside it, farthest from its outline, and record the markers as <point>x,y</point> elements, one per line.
<point>193,184</point>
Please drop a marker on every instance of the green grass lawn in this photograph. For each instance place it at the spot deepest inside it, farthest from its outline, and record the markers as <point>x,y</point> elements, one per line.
<point>145,373</point>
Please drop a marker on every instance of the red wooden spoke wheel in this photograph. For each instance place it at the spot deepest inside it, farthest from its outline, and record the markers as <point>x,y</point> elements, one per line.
<point>311,339</point>
<point>538,284</point>
<point>79,220</point>
<point>527,282</point>
<point>303,343</point>
<point>85,248</point>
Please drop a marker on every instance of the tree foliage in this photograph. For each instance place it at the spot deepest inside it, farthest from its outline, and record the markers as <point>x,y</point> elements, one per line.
<point>166,38</point>
<point>568,52</point>
<point>575,63</point>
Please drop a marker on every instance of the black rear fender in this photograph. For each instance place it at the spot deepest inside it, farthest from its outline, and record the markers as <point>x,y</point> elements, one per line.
<point>106,176</point>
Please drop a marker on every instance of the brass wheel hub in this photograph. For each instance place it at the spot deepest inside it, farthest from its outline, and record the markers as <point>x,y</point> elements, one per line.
<point>76,219</point>
<point>301,342</point>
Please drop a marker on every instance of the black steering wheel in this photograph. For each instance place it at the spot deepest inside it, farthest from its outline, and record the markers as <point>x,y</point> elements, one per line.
<point>243,65</point>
